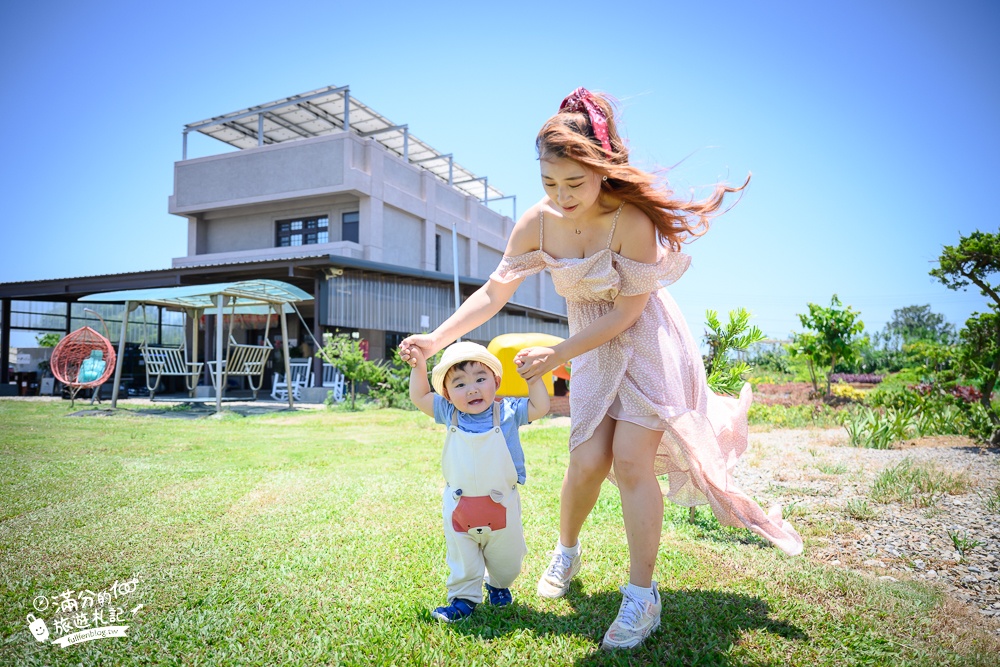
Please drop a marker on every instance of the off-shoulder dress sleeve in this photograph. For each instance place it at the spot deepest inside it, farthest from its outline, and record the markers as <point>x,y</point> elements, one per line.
<point>516,267</point>
<point>642,278</point>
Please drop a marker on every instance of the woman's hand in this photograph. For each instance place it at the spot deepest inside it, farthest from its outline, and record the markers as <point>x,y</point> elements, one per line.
<point>424,344</point>
<point>533,362</point>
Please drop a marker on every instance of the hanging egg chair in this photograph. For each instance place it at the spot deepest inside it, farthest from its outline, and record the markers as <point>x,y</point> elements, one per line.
<point>83,360</point>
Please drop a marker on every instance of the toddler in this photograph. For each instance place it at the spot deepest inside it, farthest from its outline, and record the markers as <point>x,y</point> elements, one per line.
<point>482,463</point>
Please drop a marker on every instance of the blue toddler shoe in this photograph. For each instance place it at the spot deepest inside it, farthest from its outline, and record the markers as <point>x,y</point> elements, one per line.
<point>499,597</point>
<point>456,611</point>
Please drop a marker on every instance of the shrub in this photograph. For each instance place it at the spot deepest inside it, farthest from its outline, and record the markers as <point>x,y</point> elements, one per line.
<point>795,416</point>
<point>846,391</point>
<point>389,384</point>
<point>856,378</point>
<point>876,428</point>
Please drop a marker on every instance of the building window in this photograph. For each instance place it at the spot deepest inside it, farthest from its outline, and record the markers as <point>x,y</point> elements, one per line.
<point>349,226</point>
<point>303,231</point>
<point>437,252</point>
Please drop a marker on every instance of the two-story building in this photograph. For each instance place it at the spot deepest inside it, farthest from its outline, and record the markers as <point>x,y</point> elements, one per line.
<point>326,194</point>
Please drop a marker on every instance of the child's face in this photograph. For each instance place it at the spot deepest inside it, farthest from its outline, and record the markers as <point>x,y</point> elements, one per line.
<point>471,389</point>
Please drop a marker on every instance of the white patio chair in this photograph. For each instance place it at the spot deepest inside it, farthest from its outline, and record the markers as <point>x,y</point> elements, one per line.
<point>302,376</point>
<point>334,380</point>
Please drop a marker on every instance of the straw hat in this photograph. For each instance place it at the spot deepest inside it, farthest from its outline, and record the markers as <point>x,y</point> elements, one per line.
<point>459,352</point>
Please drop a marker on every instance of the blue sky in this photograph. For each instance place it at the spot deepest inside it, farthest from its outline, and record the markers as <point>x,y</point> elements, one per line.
<point>871,128</point>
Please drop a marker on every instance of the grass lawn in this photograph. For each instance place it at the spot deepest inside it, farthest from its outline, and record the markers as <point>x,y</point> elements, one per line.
<point>314,537</point>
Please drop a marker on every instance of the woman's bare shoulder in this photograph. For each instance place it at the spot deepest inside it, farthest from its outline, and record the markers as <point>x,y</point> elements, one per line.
<point>637,235</point>
<point>524,236</point>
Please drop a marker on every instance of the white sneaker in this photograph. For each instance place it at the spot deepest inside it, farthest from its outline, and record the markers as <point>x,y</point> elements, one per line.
<point>637,619</point>
<point>555,581</point>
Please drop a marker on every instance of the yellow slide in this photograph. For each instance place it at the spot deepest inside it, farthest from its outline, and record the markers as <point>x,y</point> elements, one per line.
<point>506,346</point>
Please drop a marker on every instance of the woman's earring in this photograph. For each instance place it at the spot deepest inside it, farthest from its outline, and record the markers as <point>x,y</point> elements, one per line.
<point>605,178</point>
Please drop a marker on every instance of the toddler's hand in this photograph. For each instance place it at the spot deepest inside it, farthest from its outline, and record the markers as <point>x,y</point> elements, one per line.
<point>416,347</point>
<point>412,355</point>
<point>533,362</point>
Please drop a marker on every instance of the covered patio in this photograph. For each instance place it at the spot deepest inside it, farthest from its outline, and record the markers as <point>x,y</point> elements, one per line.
<point>257,297</point>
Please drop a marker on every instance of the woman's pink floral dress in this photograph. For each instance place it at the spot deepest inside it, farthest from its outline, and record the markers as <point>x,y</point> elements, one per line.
<point>652,375</point>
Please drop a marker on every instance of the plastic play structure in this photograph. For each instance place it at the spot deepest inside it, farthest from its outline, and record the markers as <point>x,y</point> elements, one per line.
<point>506,346</point>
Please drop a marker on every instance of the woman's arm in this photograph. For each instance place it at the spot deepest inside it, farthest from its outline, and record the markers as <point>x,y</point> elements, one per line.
<point>484,302</point>
<point>533,362</point>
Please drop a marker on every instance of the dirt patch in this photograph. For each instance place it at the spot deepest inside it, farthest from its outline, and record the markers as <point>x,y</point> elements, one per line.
<point>935,441</point>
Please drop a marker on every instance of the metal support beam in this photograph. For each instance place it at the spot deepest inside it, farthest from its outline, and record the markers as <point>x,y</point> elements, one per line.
<point>121,358</point>
<point>317,331</point>
<point>390,128</point>
<point>454,264</point>
<point>184,153</point>
<point>284,353</point>
<point>470,180</point>
<point>347,109</point>
<point>432,158</point>
<point>484,179</point>
<point>514,197</point>
<point>277,120</point>
<point>220,377</point>
<point>260,129</point>
<point>406,143</point>
<point>5,341</point>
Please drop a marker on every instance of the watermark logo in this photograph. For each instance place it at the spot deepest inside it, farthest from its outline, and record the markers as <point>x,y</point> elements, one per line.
<point>82,616</point>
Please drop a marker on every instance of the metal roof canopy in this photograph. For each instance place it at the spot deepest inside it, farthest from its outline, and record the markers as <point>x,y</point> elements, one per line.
<point>330,110</point>
<point>251,295</point>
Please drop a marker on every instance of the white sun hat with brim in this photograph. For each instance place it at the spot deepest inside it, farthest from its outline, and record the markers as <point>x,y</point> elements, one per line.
<point>459,352</point>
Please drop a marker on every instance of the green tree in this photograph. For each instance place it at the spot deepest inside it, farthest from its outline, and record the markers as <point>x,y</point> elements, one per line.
<point>836,336</point>
<point>914,323</point>
<point>48,340</point>
<point>976,261</point>
<point>808,346</point>
<point>345,353</point>
<point>724,375</point>
<point>390,384</point>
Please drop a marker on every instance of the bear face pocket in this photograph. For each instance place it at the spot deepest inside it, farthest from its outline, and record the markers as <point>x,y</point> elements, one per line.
<point>478,515</point>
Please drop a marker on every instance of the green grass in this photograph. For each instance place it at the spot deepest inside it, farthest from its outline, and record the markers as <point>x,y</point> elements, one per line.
<point>992,499</point>
<point>858,508</point>
<point>920,484</point>
<point>313,538</point>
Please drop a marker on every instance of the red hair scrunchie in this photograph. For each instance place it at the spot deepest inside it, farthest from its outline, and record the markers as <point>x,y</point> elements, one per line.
<point>581,100</point>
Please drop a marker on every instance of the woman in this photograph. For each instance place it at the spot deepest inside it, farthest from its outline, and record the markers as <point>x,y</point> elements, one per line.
<point>640,406</point>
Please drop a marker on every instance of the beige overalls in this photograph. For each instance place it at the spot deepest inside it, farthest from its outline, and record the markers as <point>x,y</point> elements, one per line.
<point>481,509</point>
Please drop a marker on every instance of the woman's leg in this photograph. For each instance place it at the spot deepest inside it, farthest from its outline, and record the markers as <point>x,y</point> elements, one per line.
<point>634,449</point>
<point>589,464</point>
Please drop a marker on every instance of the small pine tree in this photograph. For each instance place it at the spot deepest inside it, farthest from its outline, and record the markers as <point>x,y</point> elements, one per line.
<point>724,375</point>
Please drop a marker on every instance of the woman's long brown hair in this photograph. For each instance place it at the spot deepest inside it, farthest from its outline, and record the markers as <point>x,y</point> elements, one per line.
<point>570,135</point>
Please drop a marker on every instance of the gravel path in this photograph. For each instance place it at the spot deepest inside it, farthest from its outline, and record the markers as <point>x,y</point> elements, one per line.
<point>815,474</point>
